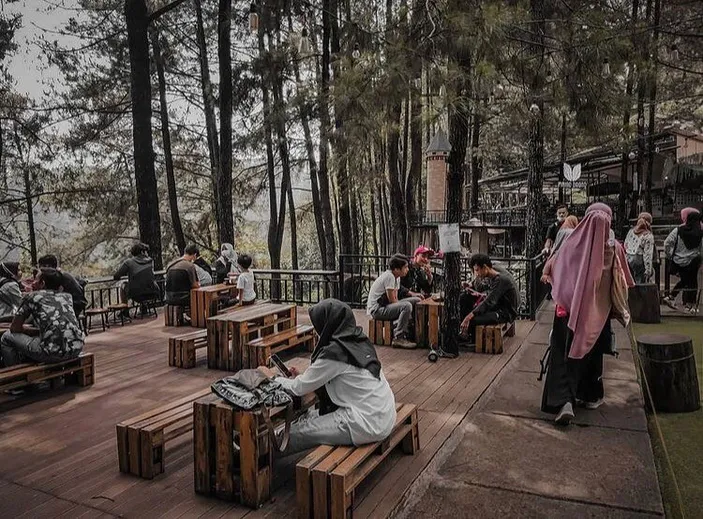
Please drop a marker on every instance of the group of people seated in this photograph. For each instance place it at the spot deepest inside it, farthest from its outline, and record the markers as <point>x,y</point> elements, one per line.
<point>44,315</point>
<point>183,274</point>
<point>492,297</point>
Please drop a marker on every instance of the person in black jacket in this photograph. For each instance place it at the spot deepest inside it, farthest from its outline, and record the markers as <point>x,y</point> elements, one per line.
<point>69,283</point>
<point>419,279</point>
<point>141,283</point>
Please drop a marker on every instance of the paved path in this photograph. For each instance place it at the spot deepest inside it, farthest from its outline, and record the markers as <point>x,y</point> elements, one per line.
<point>509,459</point>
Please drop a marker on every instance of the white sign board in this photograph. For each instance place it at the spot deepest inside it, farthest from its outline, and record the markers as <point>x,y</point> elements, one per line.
<point>449,237</point>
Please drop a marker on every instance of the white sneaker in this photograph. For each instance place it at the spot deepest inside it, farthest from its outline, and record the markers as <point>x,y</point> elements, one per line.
<point>566,414</point>
<point>594,405</point>
<point>670,302</point>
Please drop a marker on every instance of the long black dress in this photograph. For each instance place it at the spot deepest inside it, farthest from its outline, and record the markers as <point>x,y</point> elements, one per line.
<point>570,379</point>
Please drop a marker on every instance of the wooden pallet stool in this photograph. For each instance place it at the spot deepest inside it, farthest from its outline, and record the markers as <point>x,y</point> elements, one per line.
<point>326,479</point>
<point>381,332</point>
<point>173,315</point>
<point>489,338</point>
<point>141,440</point>
<point>222,470</point>
<point>182,348</point>
<point>79,371</point>
<point>261,349</point>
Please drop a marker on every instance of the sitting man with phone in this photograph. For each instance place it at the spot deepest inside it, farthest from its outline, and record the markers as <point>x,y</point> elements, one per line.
<point>357,405</point>
<point>498,305</point>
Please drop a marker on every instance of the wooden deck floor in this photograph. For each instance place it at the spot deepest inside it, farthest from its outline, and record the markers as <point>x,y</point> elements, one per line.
<point>58,450</point>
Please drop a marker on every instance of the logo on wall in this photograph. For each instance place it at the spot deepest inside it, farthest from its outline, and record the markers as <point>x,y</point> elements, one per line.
<point>572,175</point>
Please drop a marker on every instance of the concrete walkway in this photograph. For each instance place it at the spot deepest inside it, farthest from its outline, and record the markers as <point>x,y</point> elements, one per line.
<point>507,459</point>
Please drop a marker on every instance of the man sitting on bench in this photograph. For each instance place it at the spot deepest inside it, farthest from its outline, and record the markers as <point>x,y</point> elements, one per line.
<point>60,337</point>
<point>500,304</point>
<point>181,277</point>
<point>357,405</point>
<point>388,300</point>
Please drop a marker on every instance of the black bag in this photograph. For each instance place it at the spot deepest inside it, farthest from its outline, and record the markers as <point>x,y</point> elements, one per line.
<point>249,390</point>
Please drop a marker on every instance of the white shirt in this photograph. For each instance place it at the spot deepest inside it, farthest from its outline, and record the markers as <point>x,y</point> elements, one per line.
<point>367,402</point>
<point>246,281</point>
<point>378,289</point>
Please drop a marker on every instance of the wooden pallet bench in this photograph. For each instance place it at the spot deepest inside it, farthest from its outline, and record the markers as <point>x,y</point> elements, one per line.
<point>233,451</point>
<point>327,478</point>
<point>173,315</point>
<point>489,339</point>
<point>381,332</point>
<point>261,349</point>
<point>182,348</point>
<point>141,440</point>
<point>79,371</point>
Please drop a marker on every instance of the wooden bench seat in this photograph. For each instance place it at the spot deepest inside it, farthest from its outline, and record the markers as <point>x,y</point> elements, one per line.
<point>182,348</point>
<point>381,332</point>
<point>489,339</point>
<point>261,349</point>
<point>79,371</point>
<point>141,440</point>
<point>327,478</point>
<point>173,315</point>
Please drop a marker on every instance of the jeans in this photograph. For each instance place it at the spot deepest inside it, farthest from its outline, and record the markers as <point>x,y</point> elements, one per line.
<point>17,348</point>
<point>400,313</point>
<point>312,430</point>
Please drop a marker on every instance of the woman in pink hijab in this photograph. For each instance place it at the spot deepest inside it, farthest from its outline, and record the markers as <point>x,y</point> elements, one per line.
<point>589,276</point>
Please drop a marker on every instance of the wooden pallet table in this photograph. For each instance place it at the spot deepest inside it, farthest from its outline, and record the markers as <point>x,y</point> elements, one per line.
<point>228,334</point>
<point>233,451</point>
<point>428,319</point>
<point>203,302</point>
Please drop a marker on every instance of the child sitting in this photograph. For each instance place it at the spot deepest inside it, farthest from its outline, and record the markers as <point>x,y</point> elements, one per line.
<point>245,281</point>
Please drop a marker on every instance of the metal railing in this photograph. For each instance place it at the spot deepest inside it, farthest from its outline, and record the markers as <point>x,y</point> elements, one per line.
<point>302,287</point>
<point>104,291</point>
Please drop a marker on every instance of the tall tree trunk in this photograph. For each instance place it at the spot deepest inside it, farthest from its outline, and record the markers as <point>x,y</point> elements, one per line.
<point>225,218</point>
<point>213,144</point>
<point>305,116</point>
<point>534,220</point>
<point>625,160</point>
<point>354,209</point>
<point>325,125</point>
<point>459,113</point>
<point>346,236</point>
<point>412,194</point>
<point>652,83</point>
<point>273,247</point>
<point>476,163</point>
<point>28,202</point>
<point>374,222</point>
<point>166,138</point>
<point>562,153</point>
<point>137,19</point>
<point>642,84</point>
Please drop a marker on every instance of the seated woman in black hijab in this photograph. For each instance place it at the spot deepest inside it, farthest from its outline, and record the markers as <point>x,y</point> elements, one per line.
<point>358,406</point>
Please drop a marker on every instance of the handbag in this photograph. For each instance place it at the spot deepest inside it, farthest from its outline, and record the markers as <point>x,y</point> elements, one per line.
<point>249,390</point>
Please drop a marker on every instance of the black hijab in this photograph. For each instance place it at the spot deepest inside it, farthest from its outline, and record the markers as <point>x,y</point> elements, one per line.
<point>691,232</point>
<point>340,338</point>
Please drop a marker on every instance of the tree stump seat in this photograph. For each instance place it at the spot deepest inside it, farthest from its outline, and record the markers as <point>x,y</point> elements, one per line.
<point>645,304</point>
<point>668,366</point>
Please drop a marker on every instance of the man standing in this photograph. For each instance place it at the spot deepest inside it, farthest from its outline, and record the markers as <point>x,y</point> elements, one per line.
<point>500,304</point>
<point>386,303</point>
<point>562,213</point>
<point>181,277</point>
<point>60,337</point>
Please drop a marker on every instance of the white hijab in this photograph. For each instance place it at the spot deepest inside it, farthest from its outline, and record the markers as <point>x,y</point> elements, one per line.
<point>227,253</point>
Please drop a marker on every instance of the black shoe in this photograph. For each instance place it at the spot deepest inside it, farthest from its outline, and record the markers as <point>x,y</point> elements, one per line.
<point>446,355</point>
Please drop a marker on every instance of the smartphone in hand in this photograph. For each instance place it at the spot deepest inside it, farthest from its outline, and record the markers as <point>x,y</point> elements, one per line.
<point>276,360</point>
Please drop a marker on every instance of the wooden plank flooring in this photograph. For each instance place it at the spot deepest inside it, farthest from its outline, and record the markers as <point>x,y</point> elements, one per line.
<point>59,453</point>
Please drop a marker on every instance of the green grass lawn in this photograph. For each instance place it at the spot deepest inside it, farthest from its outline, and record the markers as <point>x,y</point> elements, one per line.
<point>683,433</point>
